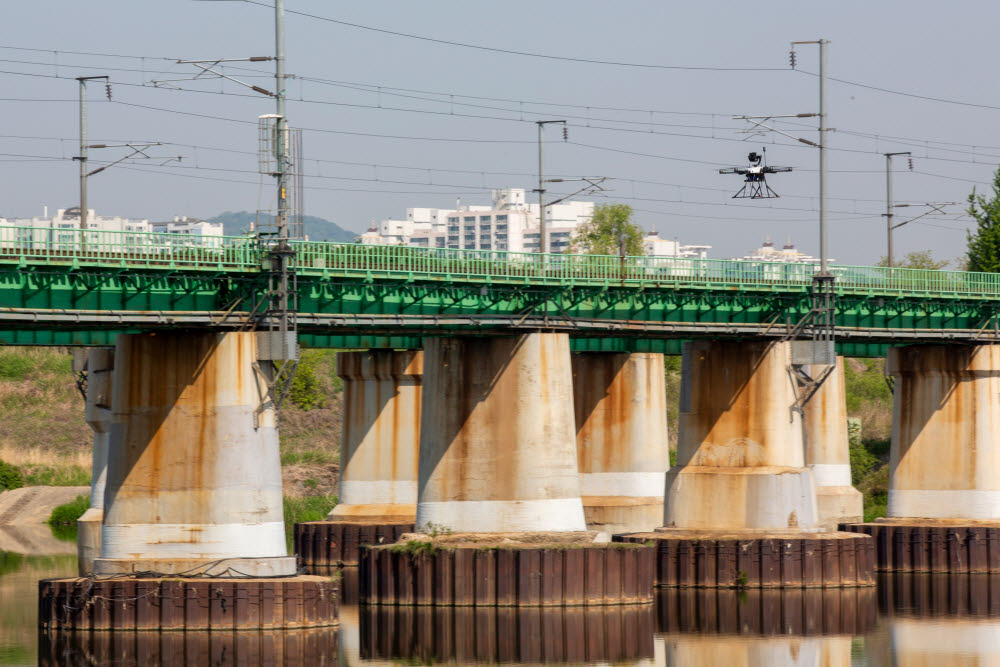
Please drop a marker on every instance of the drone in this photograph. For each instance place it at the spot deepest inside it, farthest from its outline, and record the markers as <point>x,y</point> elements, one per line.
<point>755,184</point>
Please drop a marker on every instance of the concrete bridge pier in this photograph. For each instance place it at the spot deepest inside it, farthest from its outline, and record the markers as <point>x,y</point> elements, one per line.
<point>498,436</point>
<point>378,458</point>
<point>740,455</point>
<point>381,435</point>
<point>741,502</point>
<point>621,437</point>
<point>100,364</point>
<point>944,461</point>
<point>194,476</point>
<point>827,450</point>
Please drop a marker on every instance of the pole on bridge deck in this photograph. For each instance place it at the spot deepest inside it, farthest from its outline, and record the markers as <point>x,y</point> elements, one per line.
<point>888,204</point>
<point>823,250</point>
<point>82,158</point>
<point>543,239</point>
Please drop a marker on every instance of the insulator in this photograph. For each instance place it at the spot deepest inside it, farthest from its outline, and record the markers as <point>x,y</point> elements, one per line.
<point>565,133</point>
<point>107,90</point>
<point>791,58</point>
<point>910,161</point>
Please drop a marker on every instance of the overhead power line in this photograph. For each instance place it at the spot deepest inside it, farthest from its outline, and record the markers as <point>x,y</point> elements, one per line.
<point>546,56</point>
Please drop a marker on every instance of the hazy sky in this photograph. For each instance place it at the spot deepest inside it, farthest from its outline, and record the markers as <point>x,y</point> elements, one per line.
<point>371,102</point>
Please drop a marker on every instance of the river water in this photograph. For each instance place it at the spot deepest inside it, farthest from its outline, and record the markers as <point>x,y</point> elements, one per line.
<point>906,620</point>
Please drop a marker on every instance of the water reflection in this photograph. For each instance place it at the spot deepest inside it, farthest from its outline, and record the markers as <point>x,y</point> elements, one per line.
<point>508,634</point>
<point>912,619</point>
<point>316,647</point>
<point>461,635</point>
<point>19,575</point>
<point>938,619</point>
<point>792,627</point>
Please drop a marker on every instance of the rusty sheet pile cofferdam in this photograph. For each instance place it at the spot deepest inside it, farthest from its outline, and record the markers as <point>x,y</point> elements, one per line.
<point>194,480</point>
<point>498,437</point>
<point>622,443</point>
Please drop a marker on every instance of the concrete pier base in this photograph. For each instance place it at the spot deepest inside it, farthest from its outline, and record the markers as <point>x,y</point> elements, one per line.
<point>827,450</point>
<point>740,461</point>
<point>944,462</point>
<point>100,364</point>
<point>194,477</point>
<point>497,436</point>
<point>622,443</point>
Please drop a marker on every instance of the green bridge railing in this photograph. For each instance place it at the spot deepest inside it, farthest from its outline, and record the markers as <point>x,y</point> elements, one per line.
<point>28,246</point>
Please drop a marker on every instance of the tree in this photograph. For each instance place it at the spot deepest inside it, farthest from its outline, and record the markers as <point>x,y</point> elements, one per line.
<point>602,234</point>
<point>918,259</point>
<point>984,244</point>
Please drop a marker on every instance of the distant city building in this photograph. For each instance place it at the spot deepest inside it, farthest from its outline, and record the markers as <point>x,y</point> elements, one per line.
<point>787,254</point>
<point>509,224</point>
<point>654,246</point>
<point>63,230</point>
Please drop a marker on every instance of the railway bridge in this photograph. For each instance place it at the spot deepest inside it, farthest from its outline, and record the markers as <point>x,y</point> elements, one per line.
<point>493,392</point>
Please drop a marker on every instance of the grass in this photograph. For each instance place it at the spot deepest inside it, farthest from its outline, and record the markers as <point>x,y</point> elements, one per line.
<point>309,457</point>
<point>307,508</point>
<point>70,475</point>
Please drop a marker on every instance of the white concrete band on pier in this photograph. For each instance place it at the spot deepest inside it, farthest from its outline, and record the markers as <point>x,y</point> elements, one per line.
<point>193,478</point>
<point>827,450</point>
<point>497,438</point>
<point>380,437</point>
<point>740,455</point>
<point>944,460</point>
<point>621,439</point>
<point>100,364</point>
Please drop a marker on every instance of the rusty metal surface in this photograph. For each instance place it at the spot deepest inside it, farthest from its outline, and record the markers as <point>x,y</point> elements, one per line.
<point>381,431</point>
<point>322,544</point>
<point>933,547</point>
<point>820,560</point>
<point>186,604</point>
<point>189,476</point>
<point>605,574</point>
<point>497,635</point>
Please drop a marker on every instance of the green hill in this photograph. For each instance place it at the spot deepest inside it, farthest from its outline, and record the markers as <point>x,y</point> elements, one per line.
<point>317,229</point>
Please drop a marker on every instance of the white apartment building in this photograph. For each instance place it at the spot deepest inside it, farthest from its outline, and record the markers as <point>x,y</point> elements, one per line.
<point>63,231</point>
<point>787,254</point>
<point>654,246</point>
<point>509,224</point>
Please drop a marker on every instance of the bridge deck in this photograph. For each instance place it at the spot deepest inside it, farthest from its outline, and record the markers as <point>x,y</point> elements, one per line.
<point>64,287</point>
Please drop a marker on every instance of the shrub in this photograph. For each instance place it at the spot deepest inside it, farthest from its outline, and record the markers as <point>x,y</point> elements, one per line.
<point>307,391</point>
<point>10,477</point>
<point>66,515</point>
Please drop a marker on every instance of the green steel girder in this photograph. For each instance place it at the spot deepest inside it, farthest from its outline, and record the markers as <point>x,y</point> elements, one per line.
<point>118,290</point>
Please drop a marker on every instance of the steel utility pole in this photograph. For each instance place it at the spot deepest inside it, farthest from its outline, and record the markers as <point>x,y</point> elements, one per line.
<point>283,253</point>
<point>888,203</point>
<point>823,129</point>
<point>542,231</point>
<point>83,148</point>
